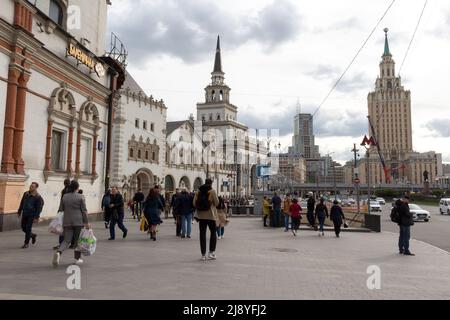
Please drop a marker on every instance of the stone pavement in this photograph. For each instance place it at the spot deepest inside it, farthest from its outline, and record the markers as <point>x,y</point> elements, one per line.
<point>253,263</point>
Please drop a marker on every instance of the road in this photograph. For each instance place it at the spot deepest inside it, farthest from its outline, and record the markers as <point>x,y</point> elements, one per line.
<point>436,232</point>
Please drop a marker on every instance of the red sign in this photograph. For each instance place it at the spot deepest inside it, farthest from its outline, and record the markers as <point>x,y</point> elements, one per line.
<point>357,181</point>
<point>368,142</point>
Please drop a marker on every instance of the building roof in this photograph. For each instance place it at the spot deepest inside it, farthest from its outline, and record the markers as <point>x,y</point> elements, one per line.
<point>132,84</point>
<point>387,51</point>
<point>218,60</point>
<point>173,126</point>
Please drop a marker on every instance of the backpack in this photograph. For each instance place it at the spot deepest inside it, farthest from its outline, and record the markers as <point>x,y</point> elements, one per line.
<point>395,214</point>
<point>202,203</point>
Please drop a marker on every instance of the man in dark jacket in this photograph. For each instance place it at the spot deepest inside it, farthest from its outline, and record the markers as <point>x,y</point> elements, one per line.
<point>310,213</point>
<point>406,221</point>
<point>30,210</point>
<point>117,214</point>
<point>276,205</point>
<point>138,199</point>
<point>175,213</point>
<point>184,206</point>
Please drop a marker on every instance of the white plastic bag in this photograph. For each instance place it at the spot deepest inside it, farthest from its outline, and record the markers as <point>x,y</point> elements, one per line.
<point>87,242</point>
<point>56,226</point>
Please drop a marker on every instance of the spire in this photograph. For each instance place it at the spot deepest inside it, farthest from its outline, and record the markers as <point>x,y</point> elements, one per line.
<point>387,52</point>
<point>218,60</point>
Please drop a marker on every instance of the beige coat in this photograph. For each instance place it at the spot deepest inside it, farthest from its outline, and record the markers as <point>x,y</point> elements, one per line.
<point>210,214</point>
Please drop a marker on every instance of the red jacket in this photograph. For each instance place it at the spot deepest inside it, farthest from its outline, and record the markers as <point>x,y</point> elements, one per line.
<point>295,210</point>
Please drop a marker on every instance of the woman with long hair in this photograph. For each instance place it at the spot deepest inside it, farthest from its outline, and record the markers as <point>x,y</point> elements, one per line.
<point>222,213</point>
<point>152,211</point>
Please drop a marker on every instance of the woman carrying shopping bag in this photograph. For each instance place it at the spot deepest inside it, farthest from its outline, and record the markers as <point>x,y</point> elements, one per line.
<point>152,211</point>
<point>75,218</point>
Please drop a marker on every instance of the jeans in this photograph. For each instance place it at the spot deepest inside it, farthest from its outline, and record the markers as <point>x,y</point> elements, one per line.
<point>310,216</point>
<point>321,223</point>
<point>186,224</point>
<point>220,231</point>
<point>286,221</point>
<point>178,219</point>
<point>70,233</point>
<point>119,222</point>
<point>405,235</point>
<point>27,227</point>
<point>276,217</point>
<point>204,225</point>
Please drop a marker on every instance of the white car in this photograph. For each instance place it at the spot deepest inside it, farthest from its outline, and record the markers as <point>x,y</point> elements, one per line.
<point>375,206</point>
<point>419,214</point>
<point>444,206</point>
<point>381,201</point>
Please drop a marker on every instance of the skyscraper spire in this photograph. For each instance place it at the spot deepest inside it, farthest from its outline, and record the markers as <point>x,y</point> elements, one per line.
<point>218,60</point>
<point>387,52</point>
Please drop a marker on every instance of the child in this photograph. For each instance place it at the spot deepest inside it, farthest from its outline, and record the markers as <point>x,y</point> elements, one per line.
<point>294,211</point>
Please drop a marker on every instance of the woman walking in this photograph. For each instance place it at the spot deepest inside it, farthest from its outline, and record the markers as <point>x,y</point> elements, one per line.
<point>206,202</point>
<point>152,211</point>
<point>73,205</point>
<point>338,218</point>
<point>321,214</point>
<point>296,217</point>
<point>266,210</point>
<point>222,213</point>
<point>106,201</point>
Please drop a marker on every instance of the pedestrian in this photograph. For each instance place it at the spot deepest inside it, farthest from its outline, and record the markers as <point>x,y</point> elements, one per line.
<point>175,214</point>
<point>206,202</point>
<point>106,201</point>
<point>117,214</point>
<point>152,211</point>
<point>30,212</point>
<point>73,204</point>
<point>295,213</point>
<point>337,216</point>
<point>138,199</point>
<point>276,206</point>
<point>183,206</point>
<point>266,210</point>
<point>286,211</point>
<point>63,192</point>
<point>223,221</point>
<point>405,224</point>
<point>321,214</point>
<point>167,205</point>
<point>311,205</point>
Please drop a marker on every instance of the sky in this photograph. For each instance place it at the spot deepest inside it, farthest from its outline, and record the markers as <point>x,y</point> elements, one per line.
<point>276,53</point>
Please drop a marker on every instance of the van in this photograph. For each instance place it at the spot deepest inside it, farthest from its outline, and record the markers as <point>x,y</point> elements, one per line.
<point>444,206</point>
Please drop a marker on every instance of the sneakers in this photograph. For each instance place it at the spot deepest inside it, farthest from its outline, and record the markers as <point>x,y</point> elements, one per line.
<point>212,256</point>
<point>125,234</point>
<point>203,258</point>
<point>294,233</point>
<point>111,239</point>
<point>323,234</point>
<point>106,225</point>
<point>408,253</point>
<point>219,238</point>
<point>33,239</point>
<point>25,246</point>
<point>56,258</point>
<point>188,237</point>
<point>183,236</point>
<point>56,247</point>
<point>78,262</point>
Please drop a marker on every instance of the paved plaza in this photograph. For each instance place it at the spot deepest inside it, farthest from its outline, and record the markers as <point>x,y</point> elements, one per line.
<point>253,263</point>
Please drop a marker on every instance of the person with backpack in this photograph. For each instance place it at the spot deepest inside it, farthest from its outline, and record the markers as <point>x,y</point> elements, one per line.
<point>206,202</point>
<point>152,211</point>
<point>321,214</point>
<point>338,218</point>
<point>29,212</point>
<point>311,204</point>
<point>286,211</point>
<point>266,210</point>
<point>276,206</point>
<point>73,204</point>
<point>295,213</point>
<point>405,222</point>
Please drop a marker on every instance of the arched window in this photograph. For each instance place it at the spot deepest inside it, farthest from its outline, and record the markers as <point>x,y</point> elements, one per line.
<point>221,95</point>
<point>154,156</point>
<point>131,153</point>
<point>146,155</point>
<point>139,154</point>
<point>218,117</point>
<point>56,12</point>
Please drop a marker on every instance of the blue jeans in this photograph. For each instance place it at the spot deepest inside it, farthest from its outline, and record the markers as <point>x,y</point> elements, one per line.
<point>186,224</point>
<point>112,226</point>
<point>321,223</point>
<point>276,217</point>
<point>220,231</point>
<point>405,235</point>
<point>286,221</point>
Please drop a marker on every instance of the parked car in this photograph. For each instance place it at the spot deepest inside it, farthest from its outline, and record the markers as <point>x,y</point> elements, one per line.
<point>444,206</point>
<point>375,206</point>
<point>381,201</point>
<point>419,214</point>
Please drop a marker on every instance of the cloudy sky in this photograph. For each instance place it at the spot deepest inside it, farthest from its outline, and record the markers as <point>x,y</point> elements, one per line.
<point>276,52</point>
